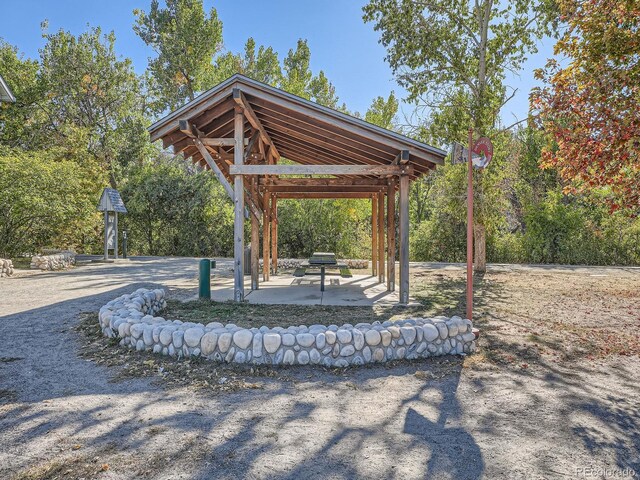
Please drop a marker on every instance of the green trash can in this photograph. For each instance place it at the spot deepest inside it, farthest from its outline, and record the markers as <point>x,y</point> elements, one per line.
<point>204,290</point>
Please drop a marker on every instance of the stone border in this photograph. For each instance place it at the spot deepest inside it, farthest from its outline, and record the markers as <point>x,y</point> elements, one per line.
<point>6,267</point>
<point>56,261</point>
<point>131,318</point>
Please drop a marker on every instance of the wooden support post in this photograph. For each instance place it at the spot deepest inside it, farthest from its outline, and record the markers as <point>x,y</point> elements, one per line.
<point>115,235</point>
<point>255,252</point>
<point>106,235</point>
<point>391,237</point>
<point>381,266</point>
<point>266,234</point>
<point>404,239</point>
<point>274,235</point>
<point>374,235</point>
<point>238,224</point>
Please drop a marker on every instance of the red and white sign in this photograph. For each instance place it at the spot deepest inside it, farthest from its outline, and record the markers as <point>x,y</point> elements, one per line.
<point>483,150</point>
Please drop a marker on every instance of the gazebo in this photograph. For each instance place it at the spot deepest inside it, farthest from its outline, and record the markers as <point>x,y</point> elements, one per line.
<point>241,129</point>
<point>5,92</point>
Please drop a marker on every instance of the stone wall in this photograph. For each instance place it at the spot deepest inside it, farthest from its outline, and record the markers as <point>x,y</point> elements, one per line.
<point>291,263</point>
<point>131,318</point>
<point>6,267</point>
<point>58,261</point>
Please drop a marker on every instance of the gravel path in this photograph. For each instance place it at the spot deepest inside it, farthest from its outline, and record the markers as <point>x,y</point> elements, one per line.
<point>60,413</point>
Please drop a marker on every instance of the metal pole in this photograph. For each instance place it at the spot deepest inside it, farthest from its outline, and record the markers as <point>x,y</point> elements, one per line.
<point>204,283</point>
<point>470,231</point>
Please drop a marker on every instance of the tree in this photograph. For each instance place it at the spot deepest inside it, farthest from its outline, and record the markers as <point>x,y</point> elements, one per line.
<point>175,211</point>
<point>383,112</point>
<point>452,56</point>
<point>591,108</point>
<point>186,40</point>
<point>262,64</point>
<point>299,79</point>
<point>47,201</point>
<point>17,119</point>
<point>92,99</point>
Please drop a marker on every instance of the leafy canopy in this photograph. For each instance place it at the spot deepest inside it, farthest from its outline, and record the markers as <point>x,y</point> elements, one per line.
<point>185,40</point>
<point>48,200</point>
<point>590,108</point>
<point>452,55</point>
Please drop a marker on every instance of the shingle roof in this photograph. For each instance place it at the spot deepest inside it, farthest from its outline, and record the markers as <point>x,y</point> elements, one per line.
<point>5,92</point>
<point>111,201</point>
<point>302,130</point>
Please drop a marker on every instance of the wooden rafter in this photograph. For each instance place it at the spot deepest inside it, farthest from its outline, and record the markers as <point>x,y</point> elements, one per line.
<point>323,188</point>
<point>402,158</point>
<point>251,116</point>
<point>321,195</point>
<point>221,142</point>
<point>377,170</point>
<point>328,181</point>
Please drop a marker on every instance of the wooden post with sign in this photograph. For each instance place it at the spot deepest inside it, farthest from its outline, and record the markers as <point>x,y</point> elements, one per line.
<point>470,230</point>
<point>478,155</point>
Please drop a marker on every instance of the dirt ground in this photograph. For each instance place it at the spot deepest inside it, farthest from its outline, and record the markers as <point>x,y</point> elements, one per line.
<point>553,392</point>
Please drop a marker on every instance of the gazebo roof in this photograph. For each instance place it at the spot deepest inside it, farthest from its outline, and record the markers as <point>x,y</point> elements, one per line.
<point>5,92</point>
<point>111,201</point>
<point>298,129</point>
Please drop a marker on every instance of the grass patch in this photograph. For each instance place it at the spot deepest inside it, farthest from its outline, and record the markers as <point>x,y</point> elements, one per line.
<point>251,315</point>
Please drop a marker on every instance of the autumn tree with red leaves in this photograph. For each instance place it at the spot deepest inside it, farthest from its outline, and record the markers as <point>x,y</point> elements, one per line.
<point>590,108</point>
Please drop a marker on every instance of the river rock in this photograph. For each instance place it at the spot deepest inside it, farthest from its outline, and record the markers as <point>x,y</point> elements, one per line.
<point>242,338</point>
<point>224,342</point>
<point>372,337</point>
<point>272,342</point>
<point>347,350</point>
<point>408,334</point>
<point>208,343</point>
<point>192,336</point>
<point>305,339</point>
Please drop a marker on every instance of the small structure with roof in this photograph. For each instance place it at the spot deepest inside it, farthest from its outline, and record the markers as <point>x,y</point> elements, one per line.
<point>242,128</point>
<point>111,204</point>
<point>5,92</point>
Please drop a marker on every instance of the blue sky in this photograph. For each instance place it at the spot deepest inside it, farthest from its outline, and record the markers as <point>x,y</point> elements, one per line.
<point>341,43</point>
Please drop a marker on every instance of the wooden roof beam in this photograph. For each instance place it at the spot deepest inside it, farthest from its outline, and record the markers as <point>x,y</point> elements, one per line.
<point>319,195</point>
<point>329,181</point>
<point>251,144</point>
<point>221,142</point>
<point>251,116</point>
<point>402,158</point>
<point>377,170</point>
<point>323,188</point>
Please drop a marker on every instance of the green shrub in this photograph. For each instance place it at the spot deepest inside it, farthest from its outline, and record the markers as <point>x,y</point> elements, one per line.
<point>47,201</point>
<point>173,211</point>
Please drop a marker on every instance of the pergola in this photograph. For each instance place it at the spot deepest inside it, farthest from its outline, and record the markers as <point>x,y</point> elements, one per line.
<point>241,130</point>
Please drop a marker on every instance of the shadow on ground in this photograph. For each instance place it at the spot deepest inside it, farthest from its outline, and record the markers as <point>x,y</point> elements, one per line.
<point>435,418</point>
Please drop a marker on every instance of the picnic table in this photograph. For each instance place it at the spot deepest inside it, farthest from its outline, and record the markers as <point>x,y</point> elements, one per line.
<point>321,261</point>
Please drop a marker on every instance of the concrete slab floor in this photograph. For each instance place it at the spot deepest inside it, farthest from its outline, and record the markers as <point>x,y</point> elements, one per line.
<point>360,290</point>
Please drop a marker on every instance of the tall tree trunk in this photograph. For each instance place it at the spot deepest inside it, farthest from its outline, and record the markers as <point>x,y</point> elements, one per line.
<point>480,251</point>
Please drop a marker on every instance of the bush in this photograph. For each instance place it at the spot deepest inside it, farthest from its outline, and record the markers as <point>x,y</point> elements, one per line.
<point>173,211</point>
<point>47,201</point>
<point>342,226</point>
<point>563,230</point>
<point>437,240</point>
